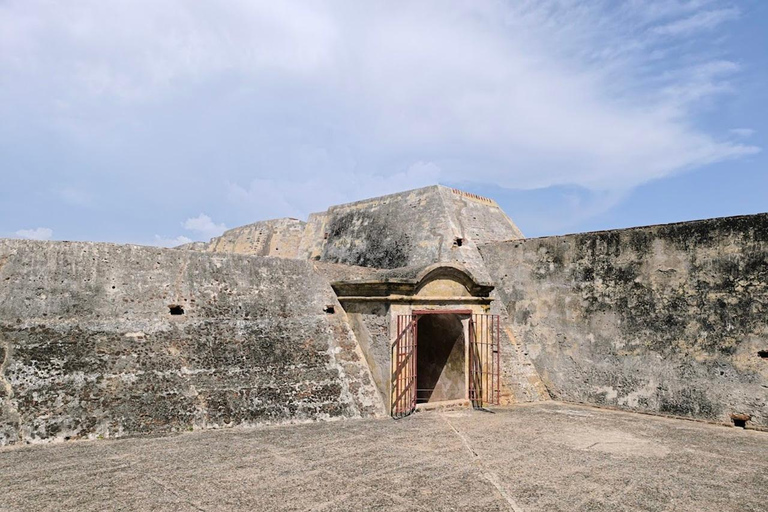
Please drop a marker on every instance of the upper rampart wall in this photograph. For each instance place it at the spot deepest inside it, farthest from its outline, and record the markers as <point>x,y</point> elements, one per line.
<point>89,347</point>
<point>279,238</point>
<point>417,227</point>
<point>667,319</point>
<point>670,319</point>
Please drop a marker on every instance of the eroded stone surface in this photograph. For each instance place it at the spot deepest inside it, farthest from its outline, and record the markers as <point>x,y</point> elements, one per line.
<point>279,238</point>
<point>668,319</point>
<point>90,347</point>
<point>418,227</point>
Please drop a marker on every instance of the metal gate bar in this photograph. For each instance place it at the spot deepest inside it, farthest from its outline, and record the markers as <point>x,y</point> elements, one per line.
<point>484,360</point>
<point>403,389</point>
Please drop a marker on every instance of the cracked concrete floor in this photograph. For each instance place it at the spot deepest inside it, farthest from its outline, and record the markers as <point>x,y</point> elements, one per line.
<point>543,457</point>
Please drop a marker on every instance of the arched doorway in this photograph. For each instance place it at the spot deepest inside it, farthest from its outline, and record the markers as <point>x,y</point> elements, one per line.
<point>427,335</point>
<point>443,355</point>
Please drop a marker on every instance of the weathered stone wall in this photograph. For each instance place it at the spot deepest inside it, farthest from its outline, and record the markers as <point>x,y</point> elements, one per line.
<point>370,323</point>
<point>88,346</point>
<point>479,219</point>
<point>278,238</point>
<point>669,319</point>
<point>418,227</point>
<point>520,381</point>
<point>193,246</point>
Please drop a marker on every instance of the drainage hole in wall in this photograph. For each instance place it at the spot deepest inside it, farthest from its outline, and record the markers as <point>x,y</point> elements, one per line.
<point>762,354</point>
<point>329,309</point>
<point>458,242</point>
<point>740,420</point>
<point>176,309</point>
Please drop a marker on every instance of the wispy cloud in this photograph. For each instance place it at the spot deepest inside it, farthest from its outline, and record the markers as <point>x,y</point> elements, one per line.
<point>283,108</point>
<point>162,241</point>
<point>698,22</point>
<point>284,197</point>
<point>204,226</point>
<point>35,234</point>
<point>201,226</point>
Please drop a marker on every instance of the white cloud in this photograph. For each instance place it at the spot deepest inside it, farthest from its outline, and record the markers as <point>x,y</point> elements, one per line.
<point>161,241</point>
<point>276,197</point>
<point>204,226</point>
<point>312,103</point>
<point>35,234</point>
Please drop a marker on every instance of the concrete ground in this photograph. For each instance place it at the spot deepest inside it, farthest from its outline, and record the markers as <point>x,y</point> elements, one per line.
<point>543,457</point>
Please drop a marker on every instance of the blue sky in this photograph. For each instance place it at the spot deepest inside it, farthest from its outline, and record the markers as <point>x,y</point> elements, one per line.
<point>162,122</point>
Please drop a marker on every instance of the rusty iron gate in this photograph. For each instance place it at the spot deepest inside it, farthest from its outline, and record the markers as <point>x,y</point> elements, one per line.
<point>484,360</point>
<point>403,389</point>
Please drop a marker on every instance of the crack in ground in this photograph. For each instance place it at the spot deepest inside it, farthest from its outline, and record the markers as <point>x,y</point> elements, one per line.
<point>287,456</point>
<point>490,476</point>
<point>175,493</point>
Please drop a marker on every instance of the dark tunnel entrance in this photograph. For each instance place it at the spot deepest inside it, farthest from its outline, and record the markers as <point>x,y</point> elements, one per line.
<point>440,359</point>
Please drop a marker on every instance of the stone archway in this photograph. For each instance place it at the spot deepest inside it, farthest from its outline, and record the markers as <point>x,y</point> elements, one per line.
<point>420,329</point>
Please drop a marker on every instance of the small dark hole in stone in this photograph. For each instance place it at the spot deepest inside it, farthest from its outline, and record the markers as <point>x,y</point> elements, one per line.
<point>176,309</point>
<point>739,423</point>
<point>763,354</point>
<point>113,287</point>
<point>329,309</point>
<point>458,242</point>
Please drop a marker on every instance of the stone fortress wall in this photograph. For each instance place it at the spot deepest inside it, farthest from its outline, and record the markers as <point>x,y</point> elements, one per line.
<point>663,319</point>
<point>409,230</point>
<point>669,319</point>
<point>279,238</point>
<point>90,345</point>
<point>417,227</point>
